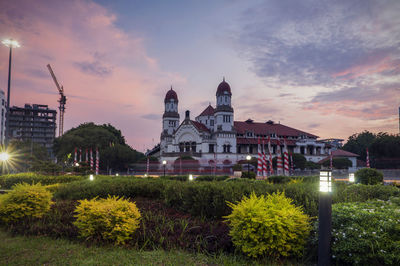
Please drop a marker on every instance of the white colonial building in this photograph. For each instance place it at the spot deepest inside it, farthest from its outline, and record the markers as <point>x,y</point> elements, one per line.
<point>214,136</point>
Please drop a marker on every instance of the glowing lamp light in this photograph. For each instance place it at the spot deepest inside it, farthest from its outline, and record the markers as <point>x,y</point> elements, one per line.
<point>351,177</point>
<point>145,175</point>
<point>248,157</point>
<point>91,177</point>
<point>164,162</point>
<point>116,174</point>
<point>11,43</point>
<point>190,177</point>
<point>325,181</point>
<point>4,156</point>
<point>77,164</point>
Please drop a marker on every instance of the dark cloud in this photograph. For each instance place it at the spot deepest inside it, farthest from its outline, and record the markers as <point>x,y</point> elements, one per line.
<point>307,42</point>
<point>155,117</point>
<point>314,125</point>
<point>95,68</point>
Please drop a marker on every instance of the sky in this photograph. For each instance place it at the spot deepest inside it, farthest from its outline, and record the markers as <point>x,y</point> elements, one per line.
<point>331,68</point>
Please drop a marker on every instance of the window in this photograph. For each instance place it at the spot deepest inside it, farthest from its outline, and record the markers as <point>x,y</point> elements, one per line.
<point>212,123</point>
<point>227,118</point>
<point>172,123</point>
<point>210,148</point>
<point>249,134</point>
<point>227,148</point>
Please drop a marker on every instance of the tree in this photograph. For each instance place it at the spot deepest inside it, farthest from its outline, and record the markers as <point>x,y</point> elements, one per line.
<point>26,154</point>
<point>114,152</point>
<point>359,142</point>
<point>338,163</point>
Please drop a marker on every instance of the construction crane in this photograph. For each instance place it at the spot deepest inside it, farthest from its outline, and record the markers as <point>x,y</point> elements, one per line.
<point>62,101</point>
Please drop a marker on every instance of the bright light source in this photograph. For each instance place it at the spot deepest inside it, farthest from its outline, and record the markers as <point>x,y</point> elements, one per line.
<point>190,177</point>
<point>248,157</point>
<point>145,175</point>
<point>116,174</point>
<point>351,177</point>
<point>11,43</point>
<point>325,181</point>
<point>91,177</point>
<point>77,164</point>
<point>4,156</point>
<point>164,162</point>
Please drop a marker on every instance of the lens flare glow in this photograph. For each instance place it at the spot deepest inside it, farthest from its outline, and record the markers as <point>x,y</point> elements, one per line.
<point>11,43</point>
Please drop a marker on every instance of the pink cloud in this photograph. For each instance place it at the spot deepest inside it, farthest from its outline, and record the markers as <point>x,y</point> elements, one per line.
<point>101,67</point>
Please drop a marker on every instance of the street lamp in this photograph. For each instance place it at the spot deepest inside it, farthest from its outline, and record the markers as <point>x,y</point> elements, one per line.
<point>4,156</point>
<point>248,158</point>
<point>324,217</point>
<point>11,44</point>
<point>164,164</point>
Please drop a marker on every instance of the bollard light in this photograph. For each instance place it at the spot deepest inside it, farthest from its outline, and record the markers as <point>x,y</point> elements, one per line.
<point>116,174</point>
<point>164,164</point>
<point>351,177</point>
<point>325,218</point>
<point>76,164</point>
<point>190,177</point>
<point>91,177</point>
<point>325,181</point>
<point>145,175</point>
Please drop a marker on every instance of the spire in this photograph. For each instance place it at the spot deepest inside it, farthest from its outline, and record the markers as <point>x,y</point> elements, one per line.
<point>223,78</point>
<point>171,87</point>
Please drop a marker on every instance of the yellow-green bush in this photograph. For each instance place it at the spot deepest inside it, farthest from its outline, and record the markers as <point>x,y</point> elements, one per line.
<point>112,219</point>
<point>24,201</point>
<point>268,226</point>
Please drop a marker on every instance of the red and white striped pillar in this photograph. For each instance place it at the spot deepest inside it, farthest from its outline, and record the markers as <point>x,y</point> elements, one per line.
<point>97,161</point>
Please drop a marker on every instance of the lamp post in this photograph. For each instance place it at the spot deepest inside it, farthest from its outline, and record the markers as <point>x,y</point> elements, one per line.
<point>248,158</point>
<point>164,164</point>
<point>11,44</point>
<point>324,217</point>
<point>4,156</point>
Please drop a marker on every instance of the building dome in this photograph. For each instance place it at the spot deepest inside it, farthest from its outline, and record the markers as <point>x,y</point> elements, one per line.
<point>224,88</point>
<point>171,94</point>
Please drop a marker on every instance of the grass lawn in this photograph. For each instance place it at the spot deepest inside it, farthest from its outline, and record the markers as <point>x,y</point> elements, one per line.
<point>36,250</point>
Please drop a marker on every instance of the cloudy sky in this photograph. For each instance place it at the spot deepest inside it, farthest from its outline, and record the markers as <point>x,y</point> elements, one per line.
<point>327,67</point>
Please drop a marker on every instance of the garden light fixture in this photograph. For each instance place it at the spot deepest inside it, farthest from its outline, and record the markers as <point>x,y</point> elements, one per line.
<point>190,177</point>
<point>325,217</point>
<point>91,177</point>
<point>351,177</point>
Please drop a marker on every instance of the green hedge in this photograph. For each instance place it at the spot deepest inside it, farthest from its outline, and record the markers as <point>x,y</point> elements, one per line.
<point>358,192</point>
<point>279,179</point>
<point>7,181</point>
<point>197,198</point>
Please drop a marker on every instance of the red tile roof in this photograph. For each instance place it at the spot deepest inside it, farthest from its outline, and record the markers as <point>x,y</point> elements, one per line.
<point>209,111</point>
<point>343,153</point>
<point>200,127</point>
<point>266,129</point>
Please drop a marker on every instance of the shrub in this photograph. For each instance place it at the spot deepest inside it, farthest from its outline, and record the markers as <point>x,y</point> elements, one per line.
<point>270,226</point>
<point>359,192</point>
<point>24,201</point>
<point>212,178</point>
<point>7,181</point>
<point>278,179</point>
<point>368,176</point>
<point>237,167</point>
<point>175,177</point>
<point>113,219</point>
<point>250,175</point>
<point>366,233</point>
<point>338,163</point>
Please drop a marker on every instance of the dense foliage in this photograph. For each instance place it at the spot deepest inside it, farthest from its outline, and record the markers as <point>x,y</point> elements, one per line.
<point>24,201</point>
<point>368,176</point>
<point>270,226</point>
<point>384,149</point>
<point>112,219</point>
<point>338,163</point>
<point>366,233</point>
<point>7,181</point>
<point>114,152</point>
